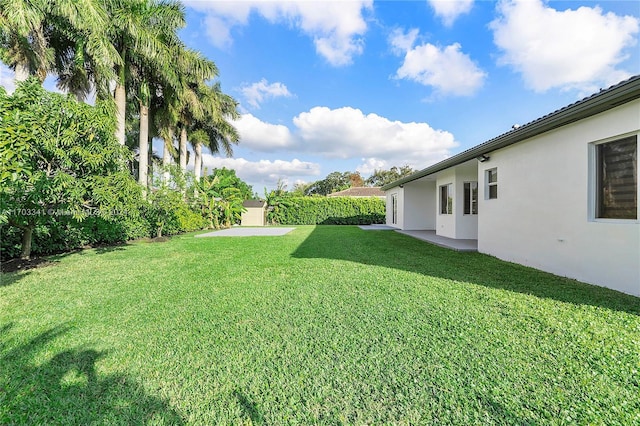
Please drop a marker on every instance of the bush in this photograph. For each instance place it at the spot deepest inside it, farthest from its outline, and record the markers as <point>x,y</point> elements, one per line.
<point>169,213</point>
<point>332,211</point>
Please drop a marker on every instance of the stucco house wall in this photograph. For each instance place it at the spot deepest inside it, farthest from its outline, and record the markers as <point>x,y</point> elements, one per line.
<point>399,194</point>
<point>457,225</point>
<point>446,223</point>
<point>543,216</point>
<point>419,207</point>
<point>416,206</point>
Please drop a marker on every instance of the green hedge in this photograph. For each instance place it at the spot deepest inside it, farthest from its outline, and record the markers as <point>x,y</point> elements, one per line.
<point>333,211</point>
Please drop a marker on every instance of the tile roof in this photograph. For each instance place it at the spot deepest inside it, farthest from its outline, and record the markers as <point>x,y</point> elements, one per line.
<point>253,203</point>
<point>359,191</point>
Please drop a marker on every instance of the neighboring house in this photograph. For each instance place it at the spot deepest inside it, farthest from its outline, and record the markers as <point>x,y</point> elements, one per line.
<point>559,194</point>
<point>360,192</point>
<point>255,214</point>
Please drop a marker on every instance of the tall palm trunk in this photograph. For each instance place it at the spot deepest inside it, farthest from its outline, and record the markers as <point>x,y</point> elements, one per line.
<point>183,149</point>
<point>143,149</point>
<point>120,97</point>
<point>22,72</point>
<point>197,161</point>
<point>121,107</point>
<point>166,160</point>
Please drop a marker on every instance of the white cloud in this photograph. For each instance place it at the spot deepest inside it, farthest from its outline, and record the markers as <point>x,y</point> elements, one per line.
<point>402,42</point>
<point>261,136</point>
<point>448,70</point>
<point>264,172</point>
<point>347,132</point>
<point>7,78</point>
<point>219,31</point>
<point>370,165</point>
<point>449,10</point>
<point>256,93</point>
<point>339,134</point>
<point>336,27</point>
<point>563,49</point>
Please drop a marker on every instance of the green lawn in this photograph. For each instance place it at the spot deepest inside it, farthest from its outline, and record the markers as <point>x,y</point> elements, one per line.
<point>326,325</point>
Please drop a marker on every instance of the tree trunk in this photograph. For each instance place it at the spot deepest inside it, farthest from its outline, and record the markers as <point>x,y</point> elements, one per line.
<point>22,72</point>
<point>183,149</point>
<point>151,164</point>
<point>166,160</point>
<point>143,149</point>
<point>27,236</point>
<point>197,161</point>
<point>121,108</point>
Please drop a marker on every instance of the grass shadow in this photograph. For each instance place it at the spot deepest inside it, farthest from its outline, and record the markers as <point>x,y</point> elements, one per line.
<point>394,250</point>
<point>13,270</point>
<point>249,408</point>
<point>68,389</point>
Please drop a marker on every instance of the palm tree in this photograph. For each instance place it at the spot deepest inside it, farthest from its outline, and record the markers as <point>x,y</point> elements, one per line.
<point>139,30</point>
<point>151,78</point>
<point>34,34</point>
<point>213,130</point>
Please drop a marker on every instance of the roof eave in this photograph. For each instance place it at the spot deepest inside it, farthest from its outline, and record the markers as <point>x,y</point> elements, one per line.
<point>618,95</point>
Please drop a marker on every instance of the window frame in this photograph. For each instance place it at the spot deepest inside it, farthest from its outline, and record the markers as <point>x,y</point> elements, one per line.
<point>488,185</point>
<point>593,197</point>
<point>469,202</point>
<point>394,208</point>
<point>446,208</point>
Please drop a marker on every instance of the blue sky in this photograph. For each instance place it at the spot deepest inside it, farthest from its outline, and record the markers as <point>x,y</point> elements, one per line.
<point>358,85</point>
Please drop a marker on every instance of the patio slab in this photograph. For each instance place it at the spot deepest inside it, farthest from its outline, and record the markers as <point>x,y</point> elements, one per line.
<point>376,227</point>
<point>248,232</point>
<point>450,243</point>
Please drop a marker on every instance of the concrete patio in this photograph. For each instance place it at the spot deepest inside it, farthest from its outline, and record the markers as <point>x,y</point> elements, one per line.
<point>450,243</point>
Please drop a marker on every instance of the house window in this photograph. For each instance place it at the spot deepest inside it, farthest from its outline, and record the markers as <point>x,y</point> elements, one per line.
<point>394,209</point>
<point>617,179</point>
<point>491,184</point>
<point>446,199</point>
<point>471,198</point>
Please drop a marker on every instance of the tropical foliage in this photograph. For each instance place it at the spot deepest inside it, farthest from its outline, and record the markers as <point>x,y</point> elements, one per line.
<point>67,161</point>
<point>159,85</point>
<point>381,177</point>
<point>59,154</point>
<point>220,196</point>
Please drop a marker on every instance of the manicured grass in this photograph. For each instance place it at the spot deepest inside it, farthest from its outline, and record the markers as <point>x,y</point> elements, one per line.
<point>325,325</point>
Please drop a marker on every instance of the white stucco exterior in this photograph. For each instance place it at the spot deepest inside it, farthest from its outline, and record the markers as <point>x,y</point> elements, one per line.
<point>416,206</point>
<point>543,215</point>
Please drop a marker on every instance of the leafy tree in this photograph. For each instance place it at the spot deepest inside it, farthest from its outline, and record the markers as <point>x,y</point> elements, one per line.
<point>299,189</point>
<point>220,196</point>
<point>382,177</point>
<point>278,200</point>
<point>69,146</point>
<point>229,179</point>
<point>355,180</point>
<point>231,206</point>
<point>334,181</point>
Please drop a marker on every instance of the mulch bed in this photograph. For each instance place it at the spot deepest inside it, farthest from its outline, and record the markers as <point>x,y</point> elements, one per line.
<point>14,265</point>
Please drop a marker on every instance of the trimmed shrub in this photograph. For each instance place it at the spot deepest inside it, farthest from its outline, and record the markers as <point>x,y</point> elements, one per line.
<point>333,211</point>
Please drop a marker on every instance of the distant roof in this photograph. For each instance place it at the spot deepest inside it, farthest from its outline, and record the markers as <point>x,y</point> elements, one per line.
<point>359,191</point>
<point>253,203</point>
<point>621,93</point>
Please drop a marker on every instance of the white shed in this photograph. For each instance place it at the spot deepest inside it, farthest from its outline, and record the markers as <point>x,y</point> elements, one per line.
<point>255,214</point>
